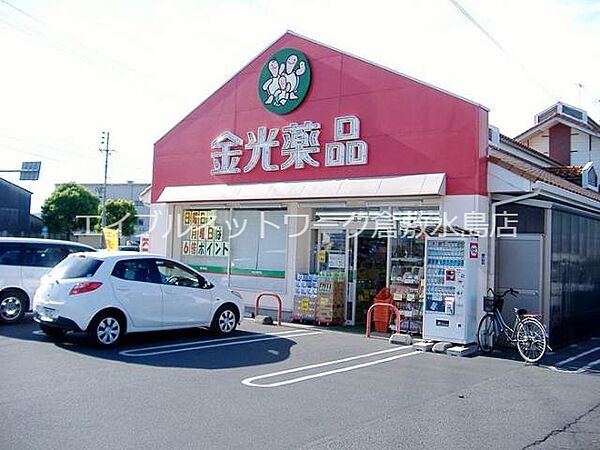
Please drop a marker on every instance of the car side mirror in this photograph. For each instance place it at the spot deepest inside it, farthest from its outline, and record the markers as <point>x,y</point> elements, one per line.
<point>204,284</point>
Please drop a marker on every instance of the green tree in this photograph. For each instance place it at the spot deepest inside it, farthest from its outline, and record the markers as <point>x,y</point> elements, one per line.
<point>68,200</point>
<point>123,211</point>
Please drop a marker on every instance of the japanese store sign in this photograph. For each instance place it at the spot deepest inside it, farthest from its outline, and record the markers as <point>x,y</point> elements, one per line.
<point>205,236</point>
<point>300,144</point>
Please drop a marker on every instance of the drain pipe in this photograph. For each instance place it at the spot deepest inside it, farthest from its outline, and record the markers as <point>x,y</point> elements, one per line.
<point>492,237</point>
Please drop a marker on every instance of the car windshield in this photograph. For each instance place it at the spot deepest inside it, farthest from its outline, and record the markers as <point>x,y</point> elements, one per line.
<point>76,266</point>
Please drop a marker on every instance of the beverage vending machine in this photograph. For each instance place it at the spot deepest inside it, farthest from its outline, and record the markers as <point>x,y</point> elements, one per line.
<point>451,275</point>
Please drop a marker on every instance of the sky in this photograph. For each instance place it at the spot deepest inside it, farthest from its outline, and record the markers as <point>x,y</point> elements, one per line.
<point>70,69</point>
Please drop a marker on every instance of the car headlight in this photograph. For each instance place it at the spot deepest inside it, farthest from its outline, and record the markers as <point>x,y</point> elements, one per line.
<point>236,293</point>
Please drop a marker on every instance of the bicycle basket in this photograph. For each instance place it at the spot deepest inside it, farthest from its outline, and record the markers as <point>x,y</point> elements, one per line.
<point>488,304</point>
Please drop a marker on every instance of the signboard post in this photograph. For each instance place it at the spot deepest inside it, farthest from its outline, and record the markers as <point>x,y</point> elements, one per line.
<point>29,171</point>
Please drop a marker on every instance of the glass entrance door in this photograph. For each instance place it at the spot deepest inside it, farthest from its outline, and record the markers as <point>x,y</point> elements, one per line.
<point>363,258</point>
<point>367,274</point>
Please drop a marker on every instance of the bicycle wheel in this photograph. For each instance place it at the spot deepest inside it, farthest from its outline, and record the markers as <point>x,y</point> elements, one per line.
<point>531,340</point>
<point>486,334</point>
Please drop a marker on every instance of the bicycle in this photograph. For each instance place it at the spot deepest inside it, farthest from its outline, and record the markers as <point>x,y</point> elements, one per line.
<point>528,333</point>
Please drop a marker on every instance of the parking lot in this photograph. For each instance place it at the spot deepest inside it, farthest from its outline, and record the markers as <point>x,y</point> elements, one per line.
<point>288,387</point>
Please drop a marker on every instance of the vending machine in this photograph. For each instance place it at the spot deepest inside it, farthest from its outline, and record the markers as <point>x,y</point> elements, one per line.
<point>451,275</point>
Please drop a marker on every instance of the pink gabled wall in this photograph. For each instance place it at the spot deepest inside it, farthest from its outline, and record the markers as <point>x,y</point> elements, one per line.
<point>410,128</point>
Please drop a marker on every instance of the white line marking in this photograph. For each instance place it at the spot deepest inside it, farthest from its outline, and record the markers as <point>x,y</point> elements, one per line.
<point>573,358</point>
<point>140,352</point>
<point>250,381</point>
<point>579,355</point>
<point>590,365</point>
<point>580,370</point>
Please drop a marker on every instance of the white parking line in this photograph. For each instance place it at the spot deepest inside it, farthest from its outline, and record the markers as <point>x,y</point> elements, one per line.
<point>148,351</point>
<point>579,355</point>
<point>575,357</point>
<point>590,365</point>
<point>251,381</point>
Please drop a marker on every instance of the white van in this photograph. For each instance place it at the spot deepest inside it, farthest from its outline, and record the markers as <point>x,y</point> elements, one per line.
<point>23,262</point>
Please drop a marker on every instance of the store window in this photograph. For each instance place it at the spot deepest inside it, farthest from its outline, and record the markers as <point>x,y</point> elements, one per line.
<point>205,241</point>
<point>241,248</point>
<point>258,249</point>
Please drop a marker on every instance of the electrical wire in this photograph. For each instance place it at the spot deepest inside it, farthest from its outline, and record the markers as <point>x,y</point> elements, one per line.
<point>499,46</point>
<point>20,10</point>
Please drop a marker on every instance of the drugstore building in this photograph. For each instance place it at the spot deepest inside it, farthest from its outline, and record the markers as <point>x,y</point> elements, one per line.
<point>310,160</point>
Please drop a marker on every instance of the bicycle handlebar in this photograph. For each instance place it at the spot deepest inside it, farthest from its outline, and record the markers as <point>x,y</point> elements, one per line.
<point>511,291</point>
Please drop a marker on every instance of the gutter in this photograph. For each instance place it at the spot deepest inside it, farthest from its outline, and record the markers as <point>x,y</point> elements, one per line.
<point>567,196</point>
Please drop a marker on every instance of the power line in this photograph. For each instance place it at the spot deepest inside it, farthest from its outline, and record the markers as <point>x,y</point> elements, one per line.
<point>75,154</point>
<point>71,42</point>
<point>497,44</point>
<point>20,10</point>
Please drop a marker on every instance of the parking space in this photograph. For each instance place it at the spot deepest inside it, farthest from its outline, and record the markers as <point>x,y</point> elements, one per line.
<point>274,387</point>
<point>581,358</point>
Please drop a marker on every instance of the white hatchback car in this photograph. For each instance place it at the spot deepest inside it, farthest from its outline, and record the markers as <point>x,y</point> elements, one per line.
<point>109,294</point>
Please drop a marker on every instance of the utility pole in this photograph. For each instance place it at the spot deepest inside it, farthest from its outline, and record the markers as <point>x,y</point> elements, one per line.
<point>104,140</point>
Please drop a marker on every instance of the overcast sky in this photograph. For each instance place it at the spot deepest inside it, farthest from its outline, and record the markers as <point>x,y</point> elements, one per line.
<point>73,68</point>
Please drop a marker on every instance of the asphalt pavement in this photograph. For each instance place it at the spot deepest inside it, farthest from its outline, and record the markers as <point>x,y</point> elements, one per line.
<point>274,387</point>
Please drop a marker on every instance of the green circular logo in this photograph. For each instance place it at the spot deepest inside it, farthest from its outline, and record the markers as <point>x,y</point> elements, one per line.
<point>284,81</point>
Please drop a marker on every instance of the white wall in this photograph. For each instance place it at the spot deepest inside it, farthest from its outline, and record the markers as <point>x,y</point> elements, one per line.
<point>503,180</point>
<point>580,152</point>
<point>540,142</point>
<point>160,229</point>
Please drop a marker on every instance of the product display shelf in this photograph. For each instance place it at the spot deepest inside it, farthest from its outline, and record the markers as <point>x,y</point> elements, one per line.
<point>407,292</point>
<point>319,298</point>
<point>330,303</point>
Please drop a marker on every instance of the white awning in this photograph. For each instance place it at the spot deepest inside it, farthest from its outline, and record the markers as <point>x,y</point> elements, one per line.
<point>404,186</point>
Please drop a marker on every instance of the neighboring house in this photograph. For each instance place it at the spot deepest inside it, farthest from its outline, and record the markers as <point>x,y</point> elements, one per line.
<point>567,135</point>
<point>15,203</point>
<point>128,191</point>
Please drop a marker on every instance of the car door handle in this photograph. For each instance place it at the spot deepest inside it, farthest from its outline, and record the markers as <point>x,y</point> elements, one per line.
<point>123,288</point>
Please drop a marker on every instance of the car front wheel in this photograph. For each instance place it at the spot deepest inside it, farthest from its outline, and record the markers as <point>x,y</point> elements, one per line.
<point>225,320</point>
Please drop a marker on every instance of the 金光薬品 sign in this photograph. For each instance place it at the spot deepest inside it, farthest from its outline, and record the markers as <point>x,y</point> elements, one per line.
<point>298,150</point>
